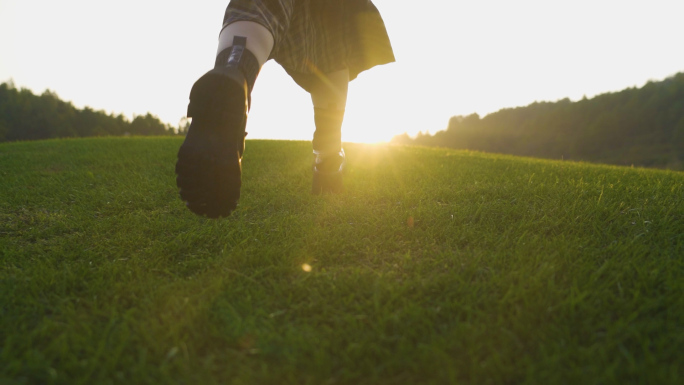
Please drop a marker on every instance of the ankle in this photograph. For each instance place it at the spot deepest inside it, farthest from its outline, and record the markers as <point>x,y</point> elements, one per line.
<point>328,135</point>
<point>329,162</point>
<point>239,57</point>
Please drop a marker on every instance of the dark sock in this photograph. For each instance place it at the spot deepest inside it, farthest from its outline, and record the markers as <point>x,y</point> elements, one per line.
<point>237,56</point>
<point>328,135</point>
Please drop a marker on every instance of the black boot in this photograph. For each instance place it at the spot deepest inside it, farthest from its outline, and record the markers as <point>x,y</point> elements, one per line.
<point>209,166</point>
<point>327,173</point>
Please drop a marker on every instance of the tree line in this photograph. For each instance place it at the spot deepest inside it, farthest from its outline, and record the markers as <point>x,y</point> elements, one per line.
<point>637,126</point>
<point>26,116</point>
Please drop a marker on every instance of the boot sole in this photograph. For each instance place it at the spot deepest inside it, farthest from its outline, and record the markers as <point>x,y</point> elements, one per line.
<point>209,170</point>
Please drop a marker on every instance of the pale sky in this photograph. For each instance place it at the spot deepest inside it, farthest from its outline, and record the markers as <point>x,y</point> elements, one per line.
<point>453,58</point>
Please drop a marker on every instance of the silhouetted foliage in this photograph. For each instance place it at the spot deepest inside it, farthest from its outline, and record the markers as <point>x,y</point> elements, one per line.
<point>26,116</point>
<point>636,126</point>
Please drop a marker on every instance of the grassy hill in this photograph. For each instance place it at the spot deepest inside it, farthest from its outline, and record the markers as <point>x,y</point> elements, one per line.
<point>436,266</point>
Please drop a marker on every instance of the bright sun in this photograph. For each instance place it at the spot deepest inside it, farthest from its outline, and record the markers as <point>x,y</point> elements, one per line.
<point>377,108</point>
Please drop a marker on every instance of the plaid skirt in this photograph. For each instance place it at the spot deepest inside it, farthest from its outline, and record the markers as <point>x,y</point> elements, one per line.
<point>319,36</point>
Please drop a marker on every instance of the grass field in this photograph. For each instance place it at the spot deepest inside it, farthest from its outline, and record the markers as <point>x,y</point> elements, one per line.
<point>436,266</point>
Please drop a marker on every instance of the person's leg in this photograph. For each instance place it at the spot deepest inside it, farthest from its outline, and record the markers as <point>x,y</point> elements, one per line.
<point>259,39</point>
<point>245,45</point>
<point>329,97</point>
<point>209,167</point>
<point>331,91</point>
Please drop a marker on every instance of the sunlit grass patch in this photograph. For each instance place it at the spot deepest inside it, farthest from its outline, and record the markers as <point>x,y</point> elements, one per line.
<point>435,266</point>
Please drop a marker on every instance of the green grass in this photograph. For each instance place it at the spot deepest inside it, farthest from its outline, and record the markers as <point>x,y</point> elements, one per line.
<point>436,266</point>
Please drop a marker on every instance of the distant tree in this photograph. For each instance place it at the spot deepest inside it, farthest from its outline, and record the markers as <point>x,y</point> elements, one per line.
<point>401,139</point>
<point>148,125</point>
<point>678,135</point>
<point>640,126</point>
<point>183,126</point>
<point>25,116</point>
<point>3,131</point>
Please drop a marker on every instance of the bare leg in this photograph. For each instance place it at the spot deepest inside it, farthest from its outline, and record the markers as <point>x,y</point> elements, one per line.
<point>329,97</point>
<point>331,91</point>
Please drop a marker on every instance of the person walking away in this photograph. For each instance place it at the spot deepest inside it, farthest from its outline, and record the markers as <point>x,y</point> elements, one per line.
<point>322,44</point>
